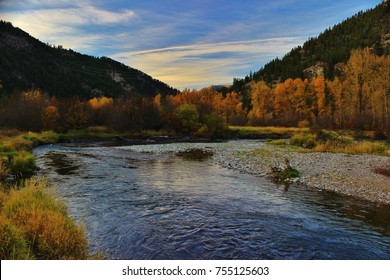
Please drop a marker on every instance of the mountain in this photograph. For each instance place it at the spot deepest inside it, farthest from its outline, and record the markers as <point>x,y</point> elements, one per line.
<point>27,63</point>
<point>323,54</point>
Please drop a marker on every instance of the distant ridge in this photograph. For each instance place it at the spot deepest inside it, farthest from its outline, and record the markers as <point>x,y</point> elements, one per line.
<point>27,63</point>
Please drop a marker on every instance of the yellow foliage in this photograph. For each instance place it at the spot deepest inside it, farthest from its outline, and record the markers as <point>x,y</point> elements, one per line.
<point>100,102</point>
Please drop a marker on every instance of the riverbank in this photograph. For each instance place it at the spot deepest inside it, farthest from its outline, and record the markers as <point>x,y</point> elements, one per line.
<point>351,175</point>
<point>347,174</point>
<point>33,223</point>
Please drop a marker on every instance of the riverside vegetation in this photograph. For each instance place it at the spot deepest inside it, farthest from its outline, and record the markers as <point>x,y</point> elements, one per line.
<point>33,224</point>
<point>354,96</point>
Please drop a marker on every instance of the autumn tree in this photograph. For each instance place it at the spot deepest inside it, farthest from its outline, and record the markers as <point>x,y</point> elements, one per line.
<point>262,103</point>
<point>282,104</point>
<point>23,110</point>
<point>99,110</point>
<point>75,114</point>
<point>359,71</point>
<point>50,118</point>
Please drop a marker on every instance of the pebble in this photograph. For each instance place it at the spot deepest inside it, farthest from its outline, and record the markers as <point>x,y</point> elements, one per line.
<point>351,175</point>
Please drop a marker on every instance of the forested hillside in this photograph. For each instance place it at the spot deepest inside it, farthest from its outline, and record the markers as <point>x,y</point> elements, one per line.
<point>299,90</point>
<point>27,63</point>
<point>366,29</point>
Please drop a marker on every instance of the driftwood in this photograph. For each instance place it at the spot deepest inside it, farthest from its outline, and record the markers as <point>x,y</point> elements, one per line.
<point>281,168</point>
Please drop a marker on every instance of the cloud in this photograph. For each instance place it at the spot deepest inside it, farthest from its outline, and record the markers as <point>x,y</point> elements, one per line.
<point>64,22</point>
<point>198,64</point>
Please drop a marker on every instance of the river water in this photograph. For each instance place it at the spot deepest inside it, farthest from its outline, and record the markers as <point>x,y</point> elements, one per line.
<point>161,202</point>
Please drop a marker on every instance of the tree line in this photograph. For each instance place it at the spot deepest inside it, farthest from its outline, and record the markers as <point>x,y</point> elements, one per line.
<point>359,98</point>
<point>334,45</point>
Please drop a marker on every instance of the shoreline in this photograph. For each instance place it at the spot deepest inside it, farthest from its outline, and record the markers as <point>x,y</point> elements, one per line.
<point>350,175</point>
<point>345,174</point>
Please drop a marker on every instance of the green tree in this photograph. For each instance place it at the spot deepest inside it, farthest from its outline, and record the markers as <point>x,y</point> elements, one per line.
<point>188,117</point>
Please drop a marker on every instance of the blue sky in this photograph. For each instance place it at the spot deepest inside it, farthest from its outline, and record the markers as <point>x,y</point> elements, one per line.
<point>183,43</point>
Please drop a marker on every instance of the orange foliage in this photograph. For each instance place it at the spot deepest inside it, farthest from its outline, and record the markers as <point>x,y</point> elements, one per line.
<point>50,118</point>
<point>100,102</point>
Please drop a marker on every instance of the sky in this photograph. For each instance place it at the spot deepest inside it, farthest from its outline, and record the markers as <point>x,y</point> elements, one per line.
<point>186,44</point>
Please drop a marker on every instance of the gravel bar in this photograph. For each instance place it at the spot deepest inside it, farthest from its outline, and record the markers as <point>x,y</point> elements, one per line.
<point>346,174</point>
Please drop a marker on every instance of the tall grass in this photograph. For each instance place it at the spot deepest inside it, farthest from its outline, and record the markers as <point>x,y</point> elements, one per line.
<point>13,245</point>
<point>23,164</point>
<point>267,131</point>
<point>15,151</point>
<point>331,141</point>
<point>36,219</point>
<point>33,225</point>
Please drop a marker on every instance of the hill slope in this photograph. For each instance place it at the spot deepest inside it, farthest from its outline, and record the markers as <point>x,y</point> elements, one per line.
<point>366,29</point>
<point>25,62</point>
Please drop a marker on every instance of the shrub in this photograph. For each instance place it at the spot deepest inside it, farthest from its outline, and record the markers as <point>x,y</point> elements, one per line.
<point>44,223</point>
<point>306,140</point>
<point>23,164</point>
<point>286,174</point>
<point>324,136</point>
<point>188,117</point>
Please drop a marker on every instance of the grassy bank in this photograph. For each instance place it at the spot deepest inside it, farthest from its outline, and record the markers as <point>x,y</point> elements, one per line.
<point>33,225</point>
<point>267,132</point>
<point>331,141</point>
<point>16,157</point>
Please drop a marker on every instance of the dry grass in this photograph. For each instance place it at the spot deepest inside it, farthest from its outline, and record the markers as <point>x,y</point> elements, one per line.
<point>44,223</point>
<point>12,242</point>
<point>15,144</point>
<point>331,141</point>
<point>268,131</point>
<point>4,170</point>
<point>33,225</point>
<point>363,147</point>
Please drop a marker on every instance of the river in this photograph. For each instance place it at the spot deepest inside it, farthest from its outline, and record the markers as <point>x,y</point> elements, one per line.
<point>162,202</point>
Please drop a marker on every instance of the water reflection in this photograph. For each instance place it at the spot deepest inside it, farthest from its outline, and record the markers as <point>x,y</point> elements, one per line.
<point>158,205</point>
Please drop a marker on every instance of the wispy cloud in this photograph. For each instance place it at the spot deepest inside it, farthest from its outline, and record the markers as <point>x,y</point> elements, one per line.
<point>198,64</point>
<point>183,43</point>
<point>66,22</point>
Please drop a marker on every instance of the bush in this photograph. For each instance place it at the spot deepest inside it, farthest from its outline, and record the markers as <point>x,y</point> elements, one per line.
<point>50,233</point>
<point>188,117</point>
<point>306,140</point>
<point>326,136</point>
<point>23,164</point>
